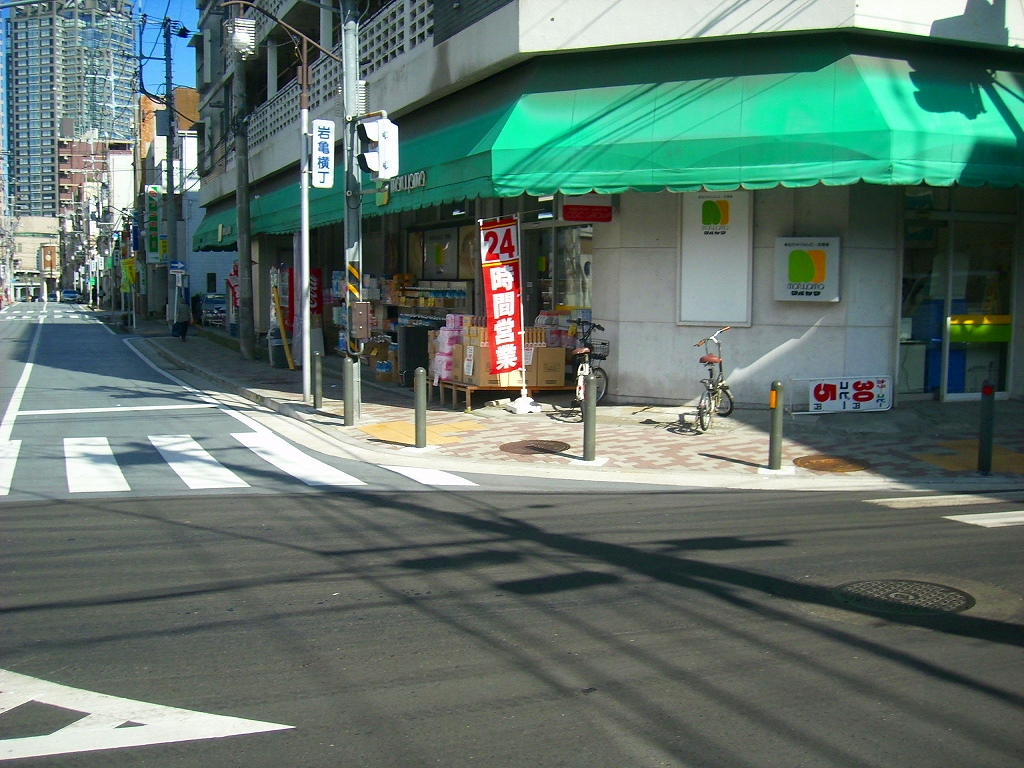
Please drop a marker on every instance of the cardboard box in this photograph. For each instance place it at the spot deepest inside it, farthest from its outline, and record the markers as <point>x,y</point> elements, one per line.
<point>458,361</point>
<point>511,379</point>
<point>482,368</point>
<point>547,368</point>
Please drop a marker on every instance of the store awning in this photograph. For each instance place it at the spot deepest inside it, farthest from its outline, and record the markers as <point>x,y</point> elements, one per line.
<point>271,213</point>
<point>790,111</point>
<point>216,232</point>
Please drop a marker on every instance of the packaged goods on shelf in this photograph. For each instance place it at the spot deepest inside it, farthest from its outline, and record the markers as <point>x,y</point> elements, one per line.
<point>442,366</point>
<point>448,338</point>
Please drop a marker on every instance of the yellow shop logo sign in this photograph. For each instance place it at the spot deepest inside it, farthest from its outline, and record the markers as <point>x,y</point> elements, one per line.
<point>714,216</point>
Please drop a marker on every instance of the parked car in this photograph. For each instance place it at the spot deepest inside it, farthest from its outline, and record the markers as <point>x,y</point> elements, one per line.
<point>70,296</point>
<point>52,297</point>
<point>213,309</point>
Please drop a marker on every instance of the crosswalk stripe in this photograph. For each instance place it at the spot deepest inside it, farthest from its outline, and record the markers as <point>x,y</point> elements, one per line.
<point>951,500</point>
<point>990,519</point>
<point>91,466</point>
<point>290,459</point>
<point>8,458</point>
<point>197,468</point>
<point>428,476</point>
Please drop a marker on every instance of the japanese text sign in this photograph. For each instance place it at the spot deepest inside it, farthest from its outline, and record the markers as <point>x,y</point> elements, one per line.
<point>323,154</point>
<point>152,218</point>
<point>499,248</point>
<point>864,393</point>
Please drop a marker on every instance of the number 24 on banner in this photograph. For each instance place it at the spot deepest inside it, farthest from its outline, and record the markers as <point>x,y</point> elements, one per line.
<point>499,239</point>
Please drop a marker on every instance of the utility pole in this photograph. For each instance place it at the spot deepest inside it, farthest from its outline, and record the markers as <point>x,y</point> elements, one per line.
<point>246,312</point>
<point>171,209</point>
<point>353,182</point>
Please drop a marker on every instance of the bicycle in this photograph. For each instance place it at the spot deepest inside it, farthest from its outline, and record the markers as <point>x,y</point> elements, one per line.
<point>716,397</point>
<point>582,356</point>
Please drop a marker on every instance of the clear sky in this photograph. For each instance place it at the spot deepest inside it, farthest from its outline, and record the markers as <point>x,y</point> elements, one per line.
<point>183,71</point>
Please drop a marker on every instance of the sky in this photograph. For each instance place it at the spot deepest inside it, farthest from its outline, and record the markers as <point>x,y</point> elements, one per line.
<point>183,58</point>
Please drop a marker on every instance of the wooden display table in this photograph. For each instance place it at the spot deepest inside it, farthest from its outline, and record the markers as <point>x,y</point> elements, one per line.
<point>469,389</point>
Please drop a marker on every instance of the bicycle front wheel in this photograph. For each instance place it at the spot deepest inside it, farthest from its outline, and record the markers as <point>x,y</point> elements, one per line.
<point>725,402</point>
<point>705,411</point>
<point>600,382</point>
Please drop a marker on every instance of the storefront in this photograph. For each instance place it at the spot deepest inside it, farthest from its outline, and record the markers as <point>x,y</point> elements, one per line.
<point>894,163</point>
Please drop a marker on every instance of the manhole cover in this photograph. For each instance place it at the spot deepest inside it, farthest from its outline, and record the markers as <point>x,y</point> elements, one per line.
<point>907,598</point>
<point>822,463</point>
<point>527,447</point>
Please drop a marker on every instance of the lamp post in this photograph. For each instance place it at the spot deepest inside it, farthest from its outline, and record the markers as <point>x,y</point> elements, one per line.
<point>303,44</point>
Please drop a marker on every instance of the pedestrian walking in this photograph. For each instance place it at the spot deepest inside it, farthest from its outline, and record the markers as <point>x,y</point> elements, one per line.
<point>182,320</point>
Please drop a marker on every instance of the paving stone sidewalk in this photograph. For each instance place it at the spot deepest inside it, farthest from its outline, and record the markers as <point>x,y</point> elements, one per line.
<point>922,443</point>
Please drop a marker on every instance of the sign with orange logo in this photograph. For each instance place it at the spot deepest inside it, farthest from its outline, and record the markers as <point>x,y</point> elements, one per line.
<point>717,241</point>
<point>807,269</point>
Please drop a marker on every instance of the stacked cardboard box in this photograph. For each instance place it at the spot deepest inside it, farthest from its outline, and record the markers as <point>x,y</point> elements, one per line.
<point>471,364</point>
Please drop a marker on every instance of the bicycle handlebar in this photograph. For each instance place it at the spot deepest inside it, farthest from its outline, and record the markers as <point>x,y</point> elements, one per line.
<point>592,325</point>
<point>712,337</point>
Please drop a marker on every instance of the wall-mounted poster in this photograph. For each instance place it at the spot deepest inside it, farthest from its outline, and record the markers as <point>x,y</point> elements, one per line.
<point>717,244</point>
<point>807,269</point>
<point>441,254</point>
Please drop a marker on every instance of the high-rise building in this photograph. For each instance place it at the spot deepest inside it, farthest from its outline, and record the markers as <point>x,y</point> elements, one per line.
<point>71,75</point>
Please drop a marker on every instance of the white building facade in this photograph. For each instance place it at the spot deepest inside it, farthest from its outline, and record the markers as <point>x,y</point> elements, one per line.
<point>838,182</point>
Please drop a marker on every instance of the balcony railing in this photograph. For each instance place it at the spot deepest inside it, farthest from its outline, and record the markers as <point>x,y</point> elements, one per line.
<point>395,30</point>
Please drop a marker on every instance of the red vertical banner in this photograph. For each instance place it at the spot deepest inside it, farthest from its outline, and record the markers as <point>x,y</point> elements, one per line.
<point>499,249</point>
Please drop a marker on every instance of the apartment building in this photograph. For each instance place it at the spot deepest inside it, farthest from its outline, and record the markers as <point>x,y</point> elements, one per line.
<point>838,181</point>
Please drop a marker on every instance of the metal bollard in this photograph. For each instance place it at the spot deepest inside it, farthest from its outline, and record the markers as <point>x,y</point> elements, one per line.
<point>589,417</point>
<point>348,390</point>
<point>318,380</point>
<point>775,429</point>
<point>419,383</point>
<point>986,433</point>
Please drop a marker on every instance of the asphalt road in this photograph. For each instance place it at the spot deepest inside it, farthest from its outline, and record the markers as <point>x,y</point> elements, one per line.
<point>402,623</point>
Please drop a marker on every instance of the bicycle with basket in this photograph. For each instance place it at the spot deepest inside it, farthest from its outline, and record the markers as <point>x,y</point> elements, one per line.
<point>585,355</point>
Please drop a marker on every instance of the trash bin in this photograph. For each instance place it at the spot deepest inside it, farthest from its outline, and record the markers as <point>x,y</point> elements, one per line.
<point>275,348</point>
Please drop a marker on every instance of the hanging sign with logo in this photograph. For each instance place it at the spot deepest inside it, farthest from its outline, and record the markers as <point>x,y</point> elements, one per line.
<point>499,249</point>
<point>152,218</point>
<point>807,269</point>
<point>323,154</point>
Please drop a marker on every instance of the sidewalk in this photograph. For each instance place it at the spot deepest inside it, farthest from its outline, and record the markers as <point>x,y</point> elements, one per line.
<point>919,444</point>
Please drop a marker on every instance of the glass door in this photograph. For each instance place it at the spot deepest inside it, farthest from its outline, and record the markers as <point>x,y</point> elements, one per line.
<point>955,319</point>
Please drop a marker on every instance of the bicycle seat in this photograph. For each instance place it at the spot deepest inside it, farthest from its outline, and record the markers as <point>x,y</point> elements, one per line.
<point>581,350</point>
<point>711,360</point>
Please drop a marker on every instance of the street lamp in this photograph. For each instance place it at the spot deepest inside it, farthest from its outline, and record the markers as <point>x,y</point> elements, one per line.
<point>243,38</point>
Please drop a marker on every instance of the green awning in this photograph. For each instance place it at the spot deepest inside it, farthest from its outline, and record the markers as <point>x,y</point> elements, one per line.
<point>270,213</point>
<point>216,232</point>
<point>791,111</point>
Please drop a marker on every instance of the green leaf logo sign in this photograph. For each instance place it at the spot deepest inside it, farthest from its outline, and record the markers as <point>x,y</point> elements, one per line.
<point>715,213</point>
<point>807,266</point>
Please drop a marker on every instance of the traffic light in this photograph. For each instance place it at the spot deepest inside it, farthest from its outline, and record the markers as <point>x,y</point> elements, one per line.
<point>378,139</point>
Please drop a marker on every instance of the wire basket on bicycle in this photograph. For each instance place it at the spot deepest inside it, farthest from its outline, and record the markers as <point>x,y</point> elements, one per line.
<point>586,356</point>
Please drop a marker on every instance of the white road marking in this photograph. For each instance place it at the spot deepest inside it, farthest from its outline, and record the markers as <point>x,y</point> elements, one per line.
<point>428,476</point>
<point>8,459</point>
<point>951,500</point>
<point>104,718</point>
<point>290,459</point>
<point>990,519</point>
<point>91,466</point>
<point>117,409</point>
<point>197,468</point>
<point>7,423</point>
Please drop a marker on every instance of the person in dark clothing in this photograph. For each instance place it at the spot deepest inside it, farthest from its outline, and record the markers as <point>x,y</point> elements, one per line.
<point>182,320</point>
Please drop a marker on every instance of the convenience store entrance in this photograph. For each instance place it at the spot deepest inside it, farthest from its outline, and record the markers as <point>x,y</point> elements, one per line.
<point>557,268</point>
<point>956,316</point>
